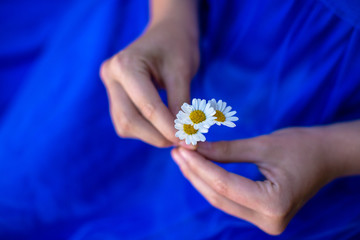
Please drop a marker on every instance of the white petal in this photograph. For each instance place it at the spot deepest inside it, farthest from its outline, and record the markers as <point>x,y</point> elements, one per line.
<point>205,125</point>
<point>213,103</point>
<point>203,130</point>
<point>196,137</point>
<point>232,119</point>
<point>201,125</point>
<point>193,103</point>
<point>193,141</point>
<point>229,124</point>
<point>211,112</point>
<point>186,108</point>
<point>211,119</point>
<point>183,134</point>
<point>180,115</point>
<point>198,100</point>
<point>186,121</point>
<point>227,109</point>
<point>201,137</point>
<point>178,121</point>
<point>183,115</point>
<point>179,135</point>
<point>189,137</point>
<point>219,104</point>
<point>206,108</point>
<point>230,114</point>
<point>202,104</point>
<point>222,105</point>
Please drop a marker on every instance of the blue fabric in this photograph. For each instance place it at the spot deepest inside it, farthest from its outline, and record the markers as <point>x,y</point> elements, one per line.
<point>64,174</point>
<point>349,10</point>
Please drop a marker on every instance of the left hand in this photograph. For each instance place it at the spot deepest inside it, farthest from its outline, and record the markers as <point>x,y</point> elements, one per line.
<point>294,162</point>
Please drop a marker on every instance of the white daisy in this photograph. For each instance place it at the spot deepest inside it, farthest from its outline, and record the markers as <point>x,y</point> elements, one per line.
<point>189,133</point>
<point>223,114</point>
<point>200,114</point>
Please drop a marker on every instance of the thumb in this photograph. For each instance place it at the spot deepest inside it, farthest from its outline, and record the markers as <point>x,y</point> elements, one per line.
<point>246,150</point>
<point>178,92</point>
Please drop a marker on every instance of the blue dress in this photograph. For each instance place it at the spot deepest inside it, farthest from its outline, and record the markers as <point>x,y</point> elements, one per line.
<point>64,174</point>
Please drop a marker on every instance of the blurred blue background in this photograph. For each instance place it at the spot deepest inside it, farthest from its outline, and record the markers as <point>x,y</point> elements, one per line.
<point>64,174</point>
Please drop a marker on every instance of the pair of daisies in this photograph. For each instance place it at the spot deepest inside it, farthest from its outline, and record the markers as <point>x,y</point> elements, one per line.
<point>194,120</point>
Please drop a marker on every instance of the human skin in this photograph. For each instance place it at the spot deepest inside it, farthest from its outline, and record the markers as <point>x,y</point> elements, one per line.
<point>296,163</point>
<point>166,56</point>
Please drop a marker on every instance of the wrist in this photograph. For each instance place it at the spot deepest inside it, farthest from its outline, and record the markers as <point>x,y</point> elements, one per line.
<point>341,147</point>
<point>180,15</point>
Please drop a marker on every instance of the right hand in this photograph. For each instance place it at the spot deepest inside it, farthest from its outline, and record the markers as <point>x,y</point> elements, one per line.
<point>164,56</point>
<point>296,163</point>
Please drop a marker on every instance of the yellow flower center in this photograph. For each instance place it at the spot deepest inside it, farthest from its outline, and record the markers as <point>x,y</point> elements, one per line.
<point>197,116</point>
<point>220,117</point>
<point>189,129</point>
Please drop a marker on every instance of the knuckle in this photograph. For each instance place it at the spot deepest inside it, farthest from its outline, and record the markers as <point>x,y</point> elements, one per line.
<point>276,214</point>
<point>104,71</point>
<point>276,211</point>
<point>177,81</point>
<point>182,67</point>
<point>215,201</point>
<point>124,59</point>
<point>275,228</point>
<point>121,132</point>
<point>120,64</point>
<point>277,220</point>
<point>220,187</point>
<point>275,204</point>
<point>148,110</point>
<point>123,126</point>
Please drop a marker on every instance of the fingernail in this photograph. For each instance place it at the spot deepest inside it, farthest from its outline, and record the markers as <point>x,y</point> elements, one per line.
<point>187,146</point>
<point>184,153</point>
<point>177,157</point>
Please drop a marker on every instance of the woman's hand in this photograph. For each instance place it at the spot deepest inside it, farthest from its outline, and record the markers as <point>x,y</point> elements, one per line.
<point>166,56</point>
<point>296,163</point>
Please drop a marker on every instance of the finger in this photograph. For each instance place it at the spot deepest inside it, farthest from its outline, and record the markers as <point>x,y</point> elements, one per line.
<point>142,92</point>
<point>183,144</point>
<point>247,150</point>
<point>214,198</point>
<point>234,187</point>
<point>178,92</point>
<point>128,121</point>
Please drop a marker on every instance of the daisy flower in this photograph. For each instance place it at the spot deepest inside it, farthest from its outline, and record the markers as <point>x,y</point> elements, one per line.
<point>200,114</point>
<point>223,114</point>
<point>189,133</point>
